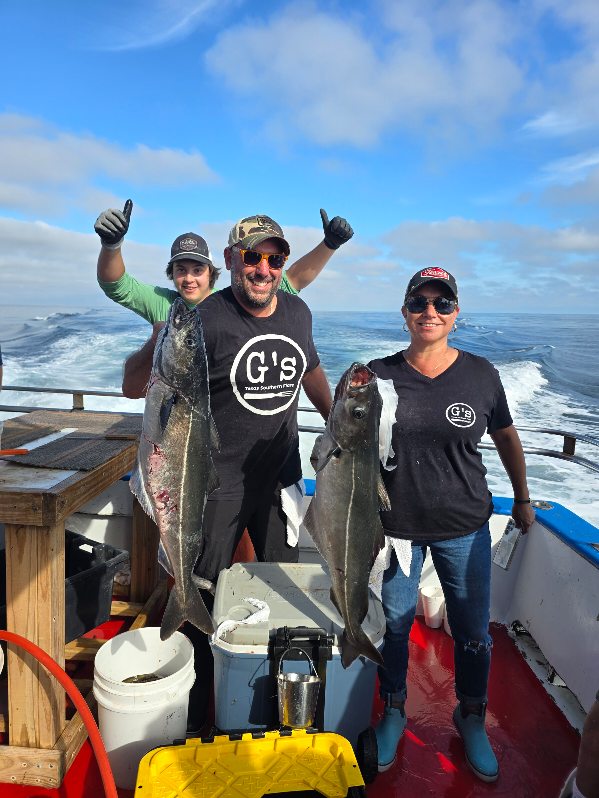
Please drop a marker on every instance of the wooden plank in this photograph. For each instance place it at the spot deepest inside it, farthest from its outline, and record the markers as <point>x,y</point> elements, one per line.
<point>83,649</point>
<point>39,767</point>
<point>157,598</point>
<point>74,735</point>
<point>144,555</point>
<point>125,609</point>
<point>35,595</point>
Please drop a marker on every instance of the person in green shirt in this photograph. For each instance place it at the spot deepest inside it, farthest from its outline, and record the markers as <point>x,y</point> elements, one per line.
<point>191,268</point>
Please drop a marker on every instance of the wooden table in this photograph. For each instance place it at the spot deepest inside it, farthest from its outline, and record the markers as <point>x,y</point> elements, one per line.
<point>41,744</point>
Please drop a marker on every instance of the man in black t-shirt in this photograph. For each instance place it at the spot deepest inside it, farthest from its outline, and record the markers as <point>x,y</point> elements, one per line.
<point>260,351</point>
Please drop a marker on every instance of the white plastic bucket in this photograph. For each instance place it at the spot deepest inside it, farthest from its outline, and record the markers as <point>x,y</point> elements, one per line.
<point>433,605</point>
<point>135,717</point>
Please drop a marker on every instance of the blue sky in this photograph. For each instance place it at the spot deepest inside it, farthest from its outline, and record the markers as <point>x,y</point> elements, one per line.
<point>452,133</point>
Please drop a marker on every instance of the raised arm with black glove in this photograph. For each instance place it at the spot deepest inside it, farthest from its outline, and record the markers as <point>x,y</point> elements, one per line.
<point>337,231</point>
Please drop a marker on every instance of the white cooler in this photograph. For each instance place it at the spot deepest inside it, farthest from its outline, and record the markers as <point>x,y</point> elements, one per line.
<point>298,595</point>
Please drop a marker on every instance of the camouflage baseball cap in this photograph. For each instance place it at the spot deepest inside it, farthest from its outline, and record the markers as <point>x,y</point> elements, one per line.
<point>252,230</point>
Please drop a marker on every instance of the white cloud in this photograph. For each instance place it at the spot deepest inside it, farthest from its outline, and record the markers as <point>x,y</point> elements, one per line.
<point>555,123</point>
<point>498,265</point>
<point>43,168</point>
<point>572,169</point>
<point>488,256</point>
<point>350,80</point>
<point>60,266</point>
<point>141,24</point>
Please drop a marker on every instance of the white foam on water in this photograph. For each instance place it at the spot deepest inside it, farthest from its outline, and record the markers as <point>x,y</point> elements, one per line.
<point>534,404</point>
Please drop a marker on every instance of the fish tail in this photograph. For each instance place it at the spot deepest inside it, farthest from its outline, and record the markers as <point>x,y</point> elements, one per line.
<point>197,613</point>
<point>360,645</point>
<point>173,615</point>
<point>192,610</point>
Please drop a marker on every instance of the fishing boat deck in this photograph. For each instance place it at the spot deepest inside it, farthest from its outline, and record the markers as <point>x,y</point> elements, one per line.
<point>535,745</point>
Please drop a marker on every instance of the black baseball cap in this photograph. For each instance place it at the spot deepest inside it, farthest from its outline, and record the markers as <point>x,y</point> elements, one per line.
<point>190,246</point>
<point>432,274</point>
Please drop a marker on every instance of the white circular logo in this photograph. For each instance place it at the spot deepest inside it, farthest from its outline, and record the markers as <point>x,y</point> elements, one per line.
<point>460,415</point>
<point>267,373</point>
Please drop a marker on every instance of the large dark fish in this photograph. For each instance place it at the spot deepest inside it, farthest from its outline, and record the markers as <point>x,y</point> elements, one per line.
<point>343,517</point>
<point>175,472</point>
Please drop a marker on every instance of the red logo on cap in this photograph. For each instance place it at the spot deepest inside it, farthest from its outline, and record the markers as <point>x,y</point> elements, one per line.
<point>435,271</point>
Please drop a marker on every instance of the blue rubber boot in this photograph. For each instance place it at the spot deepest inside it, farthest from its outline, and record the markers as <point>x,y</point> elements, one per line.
<point>388,734</point>
<point>470,722</point>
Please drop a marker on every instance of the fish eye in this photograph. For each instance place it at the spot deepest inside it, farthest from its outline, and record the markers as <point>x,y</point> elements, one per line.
<point>358,412</point>
<point>189,341</point>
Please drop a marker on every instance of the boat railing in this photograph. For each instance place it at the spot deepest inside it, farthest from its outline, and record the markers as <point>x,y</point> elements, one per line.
<point>76,393</point>
<point>568,451</point>
<point>570,439</point>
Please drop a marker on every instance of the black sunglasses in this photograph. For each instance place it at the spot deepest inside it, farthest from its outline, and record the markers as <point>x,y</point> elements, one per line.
<point>252,258</point>
<point>419,303</point>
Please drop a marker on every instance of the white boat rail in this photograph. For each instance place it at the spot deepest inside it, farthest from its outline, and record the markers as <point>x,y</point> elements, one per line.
<point>570,439</point>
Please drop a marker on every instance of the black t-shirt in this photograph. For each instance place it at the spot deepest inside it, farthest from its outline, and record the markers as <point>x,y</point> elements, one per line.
<point>438,490</point>
<point>256,366</point>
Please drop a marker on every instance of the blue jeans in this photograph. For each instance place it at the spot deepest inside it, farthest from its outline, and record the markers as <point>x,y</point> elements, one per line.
<point>464,568</point>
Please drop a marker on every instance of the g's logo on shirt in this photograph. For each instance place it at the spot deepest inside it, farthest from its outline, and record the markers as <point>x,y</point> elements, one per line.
<point>266,374</point>
<point>460,415</point>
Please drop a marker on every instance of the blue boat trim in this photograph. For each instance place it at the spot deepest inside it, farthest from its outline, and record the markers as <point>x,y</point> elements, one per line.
<point>309,484</point>
<point>566,525</point>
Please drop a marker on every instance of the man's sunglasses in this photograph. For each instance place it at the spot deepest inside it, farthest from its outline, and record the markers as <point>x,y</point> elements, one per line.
<point>252,258</point>
<point>419,303</point>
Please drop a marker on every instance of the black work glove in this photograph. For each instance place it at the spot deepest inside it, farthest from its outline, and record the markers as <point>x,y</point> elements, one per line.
<point>112,226</point>
<point>337,231</point>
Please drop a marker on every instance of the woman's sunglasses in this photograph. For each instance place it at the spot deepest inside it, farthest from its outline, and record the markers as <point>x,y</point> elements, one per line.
<point>252,258</point>
<point>419,303</point>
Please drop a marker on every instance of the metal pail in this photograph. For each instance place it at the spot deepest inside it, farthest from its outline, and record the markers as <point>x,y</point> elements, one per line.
<point>298,695</point>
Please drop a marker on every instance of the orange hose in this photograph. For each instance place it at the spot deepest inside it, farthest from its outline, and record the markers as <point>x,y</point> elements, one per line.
<point>79,702</point>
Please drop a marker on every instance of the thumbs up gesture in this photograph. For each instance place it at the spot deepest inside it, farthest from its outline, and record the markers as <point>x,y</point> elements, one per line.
<point>112,225</point>
<point>337,231</point>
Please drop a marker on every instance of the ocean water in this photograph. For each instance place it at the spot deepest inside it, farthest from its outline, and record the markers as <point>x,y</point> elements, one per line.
<point>549,366</point>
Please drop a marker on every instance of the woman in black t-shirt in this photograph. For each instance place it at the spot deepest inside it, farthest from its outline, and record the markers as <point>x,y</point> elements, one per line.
<point>439,499</point>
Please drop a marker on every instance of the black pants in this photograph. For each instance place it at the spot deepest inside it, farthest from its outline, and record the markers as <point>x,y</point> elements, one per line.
<point>224,523</point>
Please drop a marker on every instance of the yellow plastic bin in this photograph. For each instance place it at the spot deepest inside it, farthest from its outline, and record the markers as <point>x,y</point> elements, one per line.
<point>251,765</point>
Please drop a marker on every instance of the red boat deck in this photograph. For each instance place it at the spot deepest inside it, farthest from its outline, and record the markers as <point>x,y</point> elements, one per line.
<point>535,745</point>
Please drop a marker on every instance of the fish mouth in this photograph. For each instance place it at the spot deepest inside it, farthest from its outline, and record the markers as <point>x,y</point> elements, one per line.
<point>360,375</point>
<point>356,378</point>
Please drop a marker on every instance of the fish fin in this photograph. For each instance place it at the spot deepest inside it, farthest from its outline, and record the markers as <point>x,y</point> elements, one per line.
<point>194,610</point>
<point>316,451</point>
<point>378,543</point>
<point>213,480</point>
<point>351,650</point>
<point>166,409</point>
<point>138,489</point>
<point>384,501</point>
<point>309,517</point>
<point>324,448</point>
<point>214,436</point>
